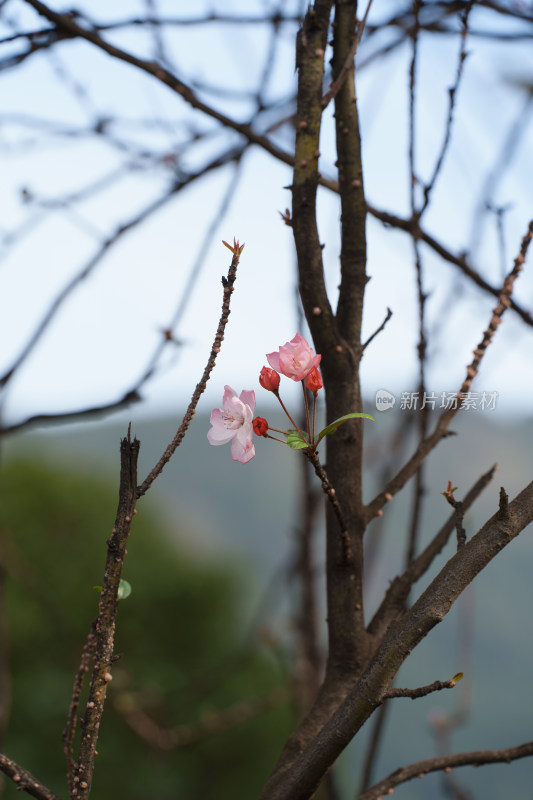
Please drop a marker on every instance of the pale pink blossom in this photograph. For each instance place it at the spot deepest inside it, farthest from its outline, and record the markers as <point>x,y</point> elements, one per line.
<point>233,423</point>
<point>295,359</point>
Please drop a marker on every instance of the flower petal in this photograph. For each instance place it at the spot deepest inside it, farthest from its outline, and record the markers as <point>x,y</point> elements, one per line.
<point>248,398</point>
<point>242,452</point>
<point>219,433</point>
<point>273,360</point>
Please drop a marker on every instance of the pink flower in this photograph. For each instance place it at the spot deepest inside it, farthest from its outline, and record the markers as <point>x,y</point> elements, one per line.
<point>269,380</point>
<point>233,423</point>
<point>295,359</point>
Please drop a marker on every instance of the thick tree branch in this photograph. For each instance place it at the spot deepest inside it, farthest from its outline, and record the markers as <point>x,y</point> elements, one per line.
<point>105,622</point>
<point>393,604</point>
<point>311,46</point>
<point>309,766</point>
<point>343,390</point>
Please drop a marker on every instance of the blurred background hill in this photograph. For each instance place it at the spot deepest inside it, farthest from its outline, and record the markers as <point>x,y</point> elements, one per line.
<point>210,565</point>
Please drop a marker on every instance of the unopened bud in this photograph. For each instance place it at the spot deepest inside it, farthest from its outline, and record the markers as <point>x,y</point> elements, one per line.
<point>269,379</point>
<point>260,426</point>
<point>314,380</point>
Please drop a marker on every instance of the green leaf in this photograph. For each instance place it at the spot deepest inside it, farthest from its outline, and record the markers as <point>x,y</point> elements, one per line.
<point>295,441</point>
<point>98,589</point>
<point>124,589</point>
<point>334,425</point>
<point>457,678</point>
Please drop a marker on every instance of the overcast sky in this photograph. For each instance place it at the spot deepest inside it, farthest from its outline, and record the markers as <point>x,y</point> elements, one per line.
<point>106,331</point>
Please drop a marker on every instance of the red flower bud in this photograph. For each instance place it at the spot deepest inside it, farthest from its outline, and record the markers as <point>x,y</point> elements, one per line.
<point>314,380</point>
<point>269,379</point>
<point>260,426</point>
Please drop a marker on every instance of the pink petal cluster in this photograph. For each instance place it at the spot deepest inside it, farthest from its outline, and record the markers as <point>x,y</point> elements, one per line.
<point>233,423</point>
<point>295,359</point>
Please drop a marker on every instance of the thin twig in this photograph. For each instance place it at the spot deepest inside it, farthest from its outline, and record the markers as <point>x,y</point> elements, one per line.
<point>421,691</point>
<point>423,416</point>
<point>451,107</point>
<point>425,447</point>
<point>130,397</point>
<point>93,262</point>
<point>348,64</point>
<point>378,330</point>
<point>67,23</point>
<point>421,768</point>
<point>413,228</point>
<point>458,515</point>
<point>394,601</point>
<point>376,736</point>
<point>24,780</point>
<point>330,493</point>
<point>196,268</point>
<point>188,734</point>
<point>509,146</point>
<point>72,718</point>
<point>200,387</point>
<point>412,101</point>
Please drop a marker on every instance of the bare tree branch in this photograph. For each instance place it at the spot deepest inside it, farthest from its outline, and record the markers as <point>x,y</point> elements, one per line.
<point>24,780</point>
<point>228,284</point>
<point>425,447</point>
<point>105,622</point>
<point>422,691</point>
<point>394,601</point>
<point>310,764</point>
<point>475,759</point>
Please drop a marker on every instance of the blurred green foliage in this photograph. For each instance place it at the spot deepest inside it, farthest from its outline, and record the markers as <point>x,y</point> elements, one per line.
<point>179,636</point>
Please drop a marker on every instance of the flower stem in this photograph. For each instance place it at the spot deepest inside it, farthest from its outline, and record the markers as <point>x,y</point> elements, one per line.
<point>307,411</point>
<point>305,438</point>
<point>270,428</point>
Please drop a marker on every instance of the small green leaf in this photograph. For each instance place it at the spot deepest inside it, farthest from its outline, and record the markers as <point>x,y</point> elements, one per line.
<point>456,678</point>
<point>295,441</point>
<point>124,589</point>
<point>98,589</point>
<point>334,425</point>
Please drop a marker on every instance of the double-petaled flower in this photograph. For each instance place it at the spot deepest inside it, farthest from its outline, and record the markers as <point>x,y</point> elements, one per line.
<point>295,359</point>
